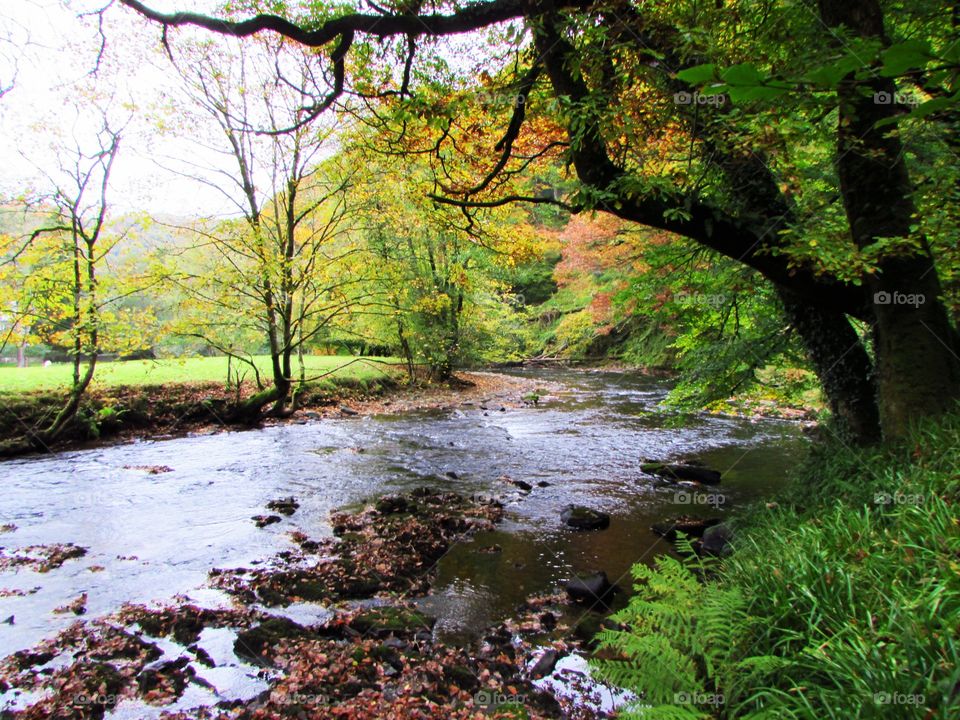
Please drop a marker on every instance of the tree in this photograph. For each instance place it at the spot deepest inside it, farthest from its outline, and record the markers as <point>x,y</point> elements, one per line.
<point>271,273</point>
<point>434,280</point>
<point>61,259</point>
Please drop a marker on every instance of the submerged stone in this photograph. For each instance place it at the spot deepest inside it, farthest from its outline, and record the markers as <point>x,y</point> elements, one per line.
<point>594,589</point>
<point>682,472</point>
<point>584,518</point>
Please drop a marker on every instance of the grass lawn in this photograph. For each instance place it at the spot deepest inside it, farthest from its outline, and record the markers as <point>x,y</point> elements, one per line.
<point>198,369</point>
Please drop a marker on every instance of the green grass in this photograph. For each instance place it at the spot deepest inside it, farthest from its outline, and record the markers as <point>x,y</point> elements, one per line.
<point>169,371</point>
<point>842,602</point>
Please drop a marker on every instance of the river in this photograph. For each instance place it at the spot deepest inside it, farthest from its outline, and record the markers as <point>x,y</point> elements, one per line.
<point>156,536</point>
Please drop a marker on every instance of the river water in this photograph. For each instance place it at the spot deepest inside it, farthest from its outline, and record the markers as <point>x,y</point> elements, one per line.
<point>157,536</point>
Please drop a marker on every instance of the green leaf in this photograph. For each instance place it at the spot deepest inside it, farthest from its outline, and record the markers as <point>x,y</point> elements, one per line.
<point>831,74</point>
<point>697,74</point>
<point>759,92</point>
<point>899,58</point>
<point>742,74</point>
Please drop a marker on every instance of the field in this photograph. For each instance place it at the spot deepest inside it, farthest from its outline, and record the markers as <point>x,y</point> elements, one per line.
<point>198,369</point>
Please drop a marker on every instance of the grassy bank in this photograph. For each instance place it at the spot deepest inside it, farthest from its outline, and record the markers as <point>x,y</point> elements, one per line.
<point>183,370</point>
<point>166,396</point>
<point>841,601</point>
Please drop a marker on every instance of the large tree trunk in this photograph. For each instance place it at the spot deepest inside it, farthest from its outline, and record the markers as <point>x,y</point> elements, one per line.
<point>835,350</point>
<point>918,371</point>
<point>842,366</point>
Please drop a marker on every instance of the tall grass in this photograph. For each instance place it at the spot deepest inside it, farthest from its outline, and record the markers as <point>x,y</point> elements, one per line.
<point>841,602</point>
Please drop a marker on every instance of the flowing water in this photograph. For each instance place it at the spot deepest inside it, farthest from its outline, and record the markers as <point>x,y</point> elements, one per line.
<point>157,536</point>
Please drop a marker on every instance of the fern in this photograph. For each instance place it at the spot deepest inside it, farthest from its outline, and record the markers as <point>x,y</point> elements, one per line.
<point>681,652</point>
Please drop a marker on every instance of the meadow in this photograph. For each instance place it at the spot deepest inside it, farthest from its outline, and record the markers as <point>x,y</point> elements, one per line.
<point>186,370</point>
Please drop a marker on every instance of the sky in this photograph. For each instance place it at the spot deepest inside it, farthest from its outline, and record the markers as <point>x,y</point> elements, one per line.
<point>50,49</point>
<point>50,53</point>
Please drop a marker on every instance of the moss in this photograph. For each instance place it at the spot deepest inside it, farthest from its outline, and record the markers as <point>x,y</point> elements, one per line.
<point>388,619</point>
<point>254,642</point>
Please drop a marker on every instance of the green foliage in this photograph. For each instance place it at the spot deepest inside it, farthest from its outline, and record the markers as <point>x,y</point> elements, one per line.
<point>845,605</point>
<point>97,420</point>
<point>676,627</point>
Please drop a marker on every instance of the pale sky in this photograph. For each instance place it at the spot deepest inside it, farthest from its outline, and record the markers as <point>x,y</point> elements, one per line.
<point>53,52</point>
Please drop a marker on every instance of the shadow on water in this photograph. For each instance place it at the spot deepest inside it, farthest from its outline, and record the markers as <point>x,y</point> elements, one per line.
<point>158,535</point>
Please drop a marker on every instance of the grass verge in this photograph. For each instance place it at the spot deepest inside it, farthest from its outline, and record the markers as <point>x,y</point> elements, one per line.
<point>182,370</point>
<point>168,397</point>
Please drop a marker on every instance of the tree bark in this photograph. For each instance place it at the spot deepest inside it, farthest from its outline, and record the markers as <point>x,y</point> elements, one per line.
<point>842,365</point>
<point>918,369</point>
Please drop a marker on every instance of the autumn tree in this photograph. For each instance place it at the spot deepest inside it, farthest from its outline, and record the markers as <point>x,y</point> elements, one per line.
<point>60,260</point>
<point>433,279</point>
<point>273,273</point>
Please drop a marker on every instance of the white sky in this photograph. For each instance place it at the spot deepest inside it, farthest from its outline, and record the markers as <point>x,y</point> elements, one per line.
<point>52,51</point>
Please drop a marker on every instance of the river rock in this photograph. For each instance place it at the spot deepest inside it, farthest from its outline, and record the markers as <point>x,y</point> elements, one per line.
<point>682,472</point>
<point>461,676</point>
<point>253,642</point>
<point>263,520</point>
<point>170,676</point>
<point>386,620</point>
<point>590,589</point>
<point>522,484</point>
<point>691,527</point>
<point>545,664</point>
<point>584,518</point>
<point>390,504</point>
<point>285,506</point>
<point>716,540</point>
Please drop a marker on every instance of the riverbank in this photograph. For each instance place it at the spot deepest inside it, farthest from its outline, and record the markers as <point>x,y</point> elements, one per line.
<point>841,599</point>
<point>126,413</point>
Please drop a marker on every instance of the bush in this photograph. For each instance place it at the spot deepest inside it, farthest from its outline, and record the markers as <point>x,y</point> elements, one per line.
<point>846,605</point>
